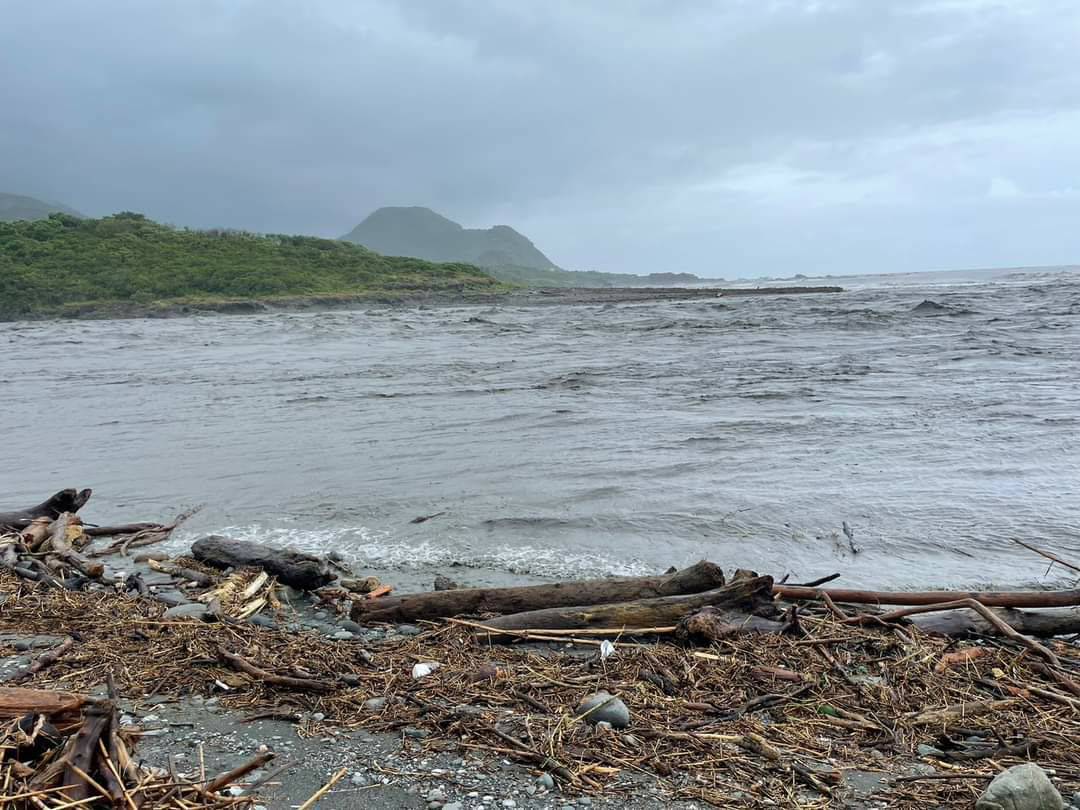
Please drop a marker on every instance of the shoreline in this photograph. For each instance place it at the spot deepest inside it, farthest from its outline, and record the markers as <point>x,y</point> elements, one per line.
<point>434,742</point>
<point>572,296</point>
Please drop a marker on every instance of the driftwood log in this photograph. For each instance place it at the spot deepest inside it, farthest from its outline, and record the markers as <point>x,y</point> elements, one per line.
<point>747,597</point>
<point>294,568</point>
<point>16,701</point>
<point>1013,599</point>
<point>703,576</point>
<point>66,500</point>
<point>1040,623</point>
<point>712,624</point>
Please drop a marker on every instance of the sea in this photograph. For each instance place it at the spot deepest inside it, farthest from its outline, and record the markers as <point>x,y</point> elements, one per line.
<point>903,433</point>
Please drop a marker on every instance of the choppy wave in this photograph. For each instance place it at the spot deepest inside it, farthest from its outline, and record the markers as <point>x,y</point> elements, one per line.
<point>585,440</point>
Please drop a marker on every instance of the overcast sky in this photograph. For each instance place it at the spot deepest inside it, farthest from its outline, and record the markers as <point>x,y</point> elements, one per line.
<point>727,138</point>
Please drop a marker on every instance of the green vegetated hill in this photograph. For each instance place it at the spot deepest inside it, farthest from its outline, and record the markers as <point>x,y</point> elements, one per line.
<point>14,207</point>
<point>64,264</point>
<point>502,251</point>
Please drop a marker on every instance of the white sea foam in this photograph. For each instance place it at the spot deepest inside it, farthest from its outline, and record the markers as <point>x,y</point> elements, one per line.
<point>373,549</point>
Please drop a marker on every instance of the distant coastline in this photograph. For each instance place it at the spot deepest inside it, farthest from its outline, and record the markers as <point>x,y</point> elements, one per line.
<point>465,296</point>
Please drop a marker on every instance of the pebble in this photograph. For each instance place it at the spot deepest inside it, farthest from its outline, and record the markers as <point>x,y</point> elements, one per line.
<point>192,611</point>
<point>261,621</point>
<point>1076,799</point>
<point>545,781</point>
<point>584,801</point>
<point>351,626</point>
<point>358,779</point>
<point>318,717</point>
<point>423,669</point>
<point>172,598</point>
<point>1021,787</point>
<point>415,733</point>
<point>375,704</point>
<point>925,750</point>
<point>452,806</point>
<point>509,803</point>
<point>611,710</point>
<point>408,630</point>
<point>436,795</point>
<point>350,680</point>
<point>320,614</point>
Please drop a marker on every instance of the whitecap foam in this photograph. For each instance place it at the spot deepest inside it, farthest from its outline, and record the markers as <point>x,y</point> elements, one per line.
<point>369,548</point>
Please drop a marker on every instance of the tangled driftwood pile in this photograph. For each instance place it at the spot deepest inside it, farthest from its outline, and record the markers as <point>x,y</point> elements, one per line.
<point>63,750</point>
<point>739,692</point>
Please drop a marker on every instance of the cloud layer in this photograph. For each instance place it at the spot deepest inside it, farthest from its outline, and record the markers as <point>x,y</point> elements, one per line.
<point>725,138</point>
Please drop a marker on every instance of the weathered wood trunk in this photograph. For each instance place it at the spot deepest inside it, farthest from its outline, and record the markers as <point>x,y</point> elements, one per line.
<point>749,596</point>
<point>1015,599</point>
<point>291,567</point>
<point>66,500</point>
<point>468,601</point>
<point>1042,623</point>
<point>16,701</point>
<point>712,624</point>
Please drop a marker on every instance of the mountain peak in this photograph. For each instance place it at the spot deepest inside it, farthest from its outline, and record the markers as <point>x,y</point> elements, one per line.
<point>14,207</point>
<point>425,234</point>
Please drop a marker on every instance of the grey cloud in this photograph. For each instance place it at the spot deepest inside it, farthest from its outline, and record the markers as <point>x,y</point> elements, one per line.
<point>735,137</point>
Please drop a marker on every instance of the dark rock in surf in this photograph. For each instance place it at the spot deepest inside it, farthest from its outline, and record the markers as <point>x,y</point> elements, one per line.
<point>294,568</point>
<point>444,583</point>
<point>928,307</point>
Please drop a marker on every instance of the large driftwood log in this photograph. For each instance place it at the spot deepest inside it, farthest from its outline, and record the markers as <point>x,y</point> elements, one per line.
<point>1014,599</point>
<point>290,567</point>
<point>749,596</point>
<point>464,601</point>
<point>66,500</point>
<point>15,701</point>
<point>1041,623</point>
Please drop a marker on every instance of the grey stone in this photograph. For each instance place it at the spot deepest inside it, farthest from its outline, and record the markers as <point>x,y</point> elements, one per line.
<point>172,598</point>
<point>342,635</point>
<point>349,679</point>
<point>260,620</point>
<point>375,704</point>
<point>358,779</point>
<point>408,630</point>
<point>452,806</point>
<point>1076,800</point>
<point>444,583</point>
<point>924,750</point>
<point>545,781</point>
<point>351,626</point>
<point>436,795</point>
<point>318,717</point>
<point>415,733</point>
<point>191,611</point>
<point>603,707</point>
<point>1021,787</point>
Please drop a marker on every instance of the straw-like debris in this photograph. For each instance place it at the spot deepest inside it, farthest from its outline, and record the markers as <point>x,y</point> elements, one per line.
<point>61,750</point>
<point>782,718</point>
